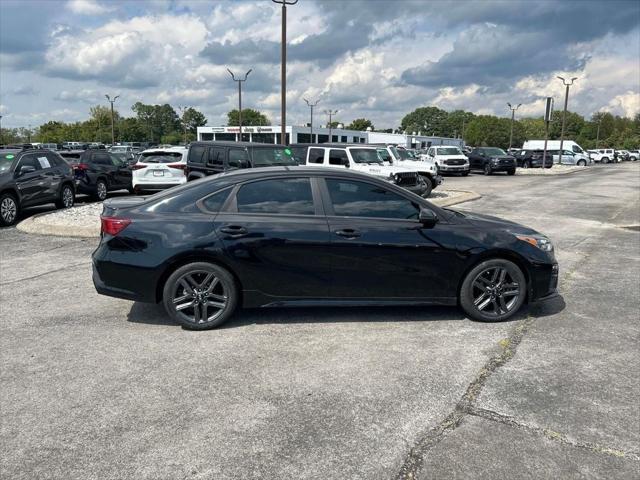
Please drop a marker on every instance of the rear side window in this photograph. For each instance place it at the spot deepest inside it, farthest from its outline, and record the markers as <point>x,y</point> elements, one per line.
<point>316,155</point>
<point>216,157</point>
<point>213,203</point>
<point>290,196</point>
<point>338,157</point>
<point>196,154</point>
<point>102,159</point>
<point>360,199</point>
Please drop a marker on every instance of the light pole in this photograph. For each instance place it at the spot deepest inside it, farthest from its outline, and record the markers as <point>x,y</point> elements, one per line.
<point>513,116</point>
<point>113,132</point>
<point>29,133</point>
<point>331,113</point>
<point>240,80</point>
<point>598,133</point>
<point>0,129</point>
<point>183,110</point>
<point>564,113</point>
<point>283,69</point>
<point>311,105</point>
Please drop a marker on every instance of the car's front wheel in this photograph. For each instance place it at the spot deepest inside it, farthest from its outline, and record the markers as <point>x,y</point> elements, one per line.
<point>511,172</point>
<point>493,291</point>
<point>200,295</point>
<point>487,169</point>
<point>582,163</point>
<point>101,190</point>
<point>8,209</point>
<point>428,186</point>
<point>526,164</point>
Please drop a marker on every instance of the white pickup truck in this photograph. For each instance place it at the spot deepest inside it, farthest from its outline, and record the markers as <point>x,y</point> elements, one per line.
<point>363,158</point>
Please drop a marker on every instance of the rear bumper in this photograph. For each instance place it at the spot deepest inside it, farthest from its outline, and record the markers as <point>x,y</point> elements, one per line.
<point>142,187</point>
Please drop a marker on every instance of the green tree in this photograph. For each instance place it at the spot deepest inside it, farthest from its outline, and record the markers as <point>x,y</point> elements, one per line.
<point>490,131</point>
<point>157,120</point>
<point>456,123</point>
<point>573,125</point>
<point>250,117</point>
<point>360,124</point>
<point>193,119</point>
<point>428,120</point>
<point>532,128</point>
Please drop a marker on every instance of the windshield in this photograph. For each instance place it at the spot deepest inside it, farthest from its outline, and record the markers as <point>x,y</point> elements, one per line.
<point>493,151</point>
<point>160,157</point>
<point>119,149</point>
<point>6,159</point>
<point>449,151</point>
<point>403,154</point>
<point>365,155</point>
<point>271,157</point>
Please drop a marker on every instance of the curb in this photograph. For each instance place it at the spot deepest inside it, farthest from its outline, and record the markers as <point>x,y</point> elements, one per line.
<point>554,174</point>
<point>32,225</point>
<point>465,197</point>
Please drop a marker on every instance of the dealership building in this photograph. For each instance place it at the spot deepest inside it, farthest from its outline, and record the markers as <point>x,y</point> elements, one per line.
<point>302,134</point>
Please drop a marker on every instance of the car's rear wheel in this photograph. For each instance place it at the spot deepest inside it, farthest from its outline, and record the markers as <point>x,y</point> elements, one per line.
<point>200,295</point>
<point>67,197</point>
<point>511,172</point>
<point>526,164</point>
<point>101,190</point>
<point>464,174</point>
<point>604,160</point>
<point>487,169</point>
<point>8,209</point>
<point>493,291</point>
<point>582,163</point>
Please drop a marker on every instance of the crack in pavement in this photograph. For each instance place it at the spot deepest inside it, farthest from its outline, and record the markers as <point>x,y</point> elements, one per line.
<point>43,274</point>
<point>550,434</point>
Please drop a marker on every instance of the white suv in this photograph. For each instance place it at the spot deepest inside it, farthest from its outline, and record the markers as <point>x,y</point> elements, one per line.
<point>603,155</point>
<point>159,168</point>
<point>400,157</point>
<point>449,159</point>
<point>365,159</point>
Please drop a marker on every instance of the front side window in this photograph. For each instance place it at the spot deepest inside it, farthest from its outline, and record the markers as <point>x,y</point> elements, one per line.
<point>338,157</point>
<point>216,157</point>
<point>316,155</point>
<point>365,155</point>
<point>102,159</point>
<point>576,149</point>
<point>28,161</point>
<point>116,160</point>
<point>238,158</point>
<point>291,196</point>
<point>384,155</point>
<point>361,199</point>
<point>270,157</point>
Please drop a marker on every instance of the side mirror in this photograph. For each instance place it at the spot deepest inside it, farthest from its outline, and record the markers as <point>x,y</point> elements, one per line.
<point>345,162</point>
<point>26,169</point>
<point>427,218</point>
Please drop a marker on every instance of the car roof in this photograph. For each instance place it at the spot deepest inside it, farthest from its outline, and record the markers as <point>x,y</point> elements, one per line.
<point>11,151</point>
<point>215,143</point>
<point>167,149</point>
<point>335,145</point>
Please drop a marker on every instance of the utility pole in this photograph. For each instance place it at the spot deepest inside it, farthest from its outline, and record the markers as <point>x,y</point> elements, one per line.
<point>0,129</point>
<point>283,69</point>
<point>183,110</point>
<point>240,80</point>
<point>113,131</point>
<point>598,133</point>
<point>29,141</point>
<point>564,113</point>
<point>331,113</point>
<point>311,105</point>
<point>513,116</point>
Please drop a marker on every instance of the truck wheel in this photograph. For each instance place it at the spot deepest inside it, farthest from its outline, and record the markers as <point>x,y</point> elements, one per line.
<point>428,185</point>
<point>526,164</point>
<point>487,169</point>
<point>605,160</point>
<point>511,172</point>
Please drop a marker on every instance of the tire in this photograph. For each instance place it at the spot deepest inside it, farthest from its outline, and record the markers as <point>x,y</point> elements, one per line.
<point>487,169</point>
<point>604,160</point>
<point>101,190</point>
<point>131,190</point>
<point>206,290</point>
<point>464,174</point>
<point>428,185</point>
<point>67,197</point>
<point>511,172</point>
<point>526,164</point>
<point>9,209</point>
<point>499,299</point>
<point>632,159</point>
<point>582,163</point>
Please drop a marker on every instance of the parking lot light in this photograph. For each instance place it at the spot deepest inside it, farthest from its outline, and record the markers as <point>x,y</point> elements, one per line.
<point>113,134</point>
<point>311,105</point>
<point>240,80</point>
<point>331,113</point>
<point>567,84</point>
<point>283,69</point>
<point>513,116</point>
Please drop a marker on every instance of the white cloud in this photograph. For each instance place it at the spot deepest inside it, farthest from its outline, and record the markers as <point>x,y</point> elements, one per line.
<point>627,104</point>
<point>87,7</point>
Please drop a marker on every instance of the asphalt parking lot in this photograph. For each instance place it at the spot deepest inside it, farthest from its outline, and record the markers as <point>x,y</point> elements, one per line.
<point>94,387</point>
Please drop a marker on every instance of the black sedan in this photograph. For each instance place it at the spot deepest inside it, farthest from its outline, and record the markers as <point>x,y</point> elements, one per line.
<point>491,160</point>
<point>533,159</point>
<point>33,177</point>
<point>271,237</point>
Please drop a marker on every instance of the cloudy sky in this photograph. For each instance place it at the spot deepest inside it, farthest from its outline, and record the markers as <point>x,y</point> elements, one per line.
<point>377,59</point>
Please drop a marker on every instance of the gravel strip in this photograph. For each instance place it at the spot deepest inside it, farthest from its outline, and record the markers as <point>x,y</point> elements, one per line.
<point>84,221</point>
<point>555,170</point>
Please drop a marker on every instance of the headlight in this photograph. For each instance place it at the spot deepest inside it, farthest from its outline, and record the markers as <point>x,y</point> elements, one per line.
<point>539,241</point>
<point>495,160</point>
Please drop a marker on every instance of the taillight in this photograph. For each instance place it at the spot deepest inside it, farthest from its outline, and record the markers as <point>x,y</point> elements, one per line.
<point>137,166</point>
<point>113,225</point>
<point>179,166</point>
<point>81,166</point>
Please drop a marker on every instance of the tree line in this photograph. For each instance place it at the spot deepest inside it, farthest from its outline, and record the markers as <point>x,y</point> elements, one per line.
<point>162,124</point>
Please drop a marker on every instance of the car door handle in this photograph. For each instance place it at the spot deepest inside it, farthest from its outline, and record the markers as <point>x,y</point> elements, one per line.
<point>234,231</point>
<point>348,233</point>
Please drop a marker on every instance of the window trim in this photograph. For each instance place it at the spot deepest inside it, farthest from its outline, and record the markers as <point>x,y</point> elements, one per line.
<point>231,205</point>
<point>200,204</point>
<point>328,204</point>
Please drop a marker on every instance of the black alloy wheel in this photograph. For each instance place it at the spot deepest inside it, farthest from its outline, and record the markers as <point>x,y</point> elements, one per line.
<point>101,190</point>
<point>487,169</point>
<point>493,291</point>
<point>8,210</point>
<point>526,164</point>
<point>200,296</point>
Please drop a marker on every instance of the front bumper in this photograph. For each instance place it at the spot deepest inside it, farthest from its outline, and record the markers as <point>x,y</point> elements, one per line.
<point>544,281</point>
<point>453,168</point>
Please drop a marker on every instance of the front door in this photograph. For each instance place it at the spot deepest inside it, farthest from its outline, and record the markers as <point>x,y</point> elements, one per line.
<point>32,185</point>
<point>374,229</point>
<point>277,237</point>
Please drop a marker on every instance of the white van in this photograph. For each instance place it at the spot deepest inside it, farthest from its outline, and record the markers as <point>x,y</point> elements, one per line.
<point>577,150</point>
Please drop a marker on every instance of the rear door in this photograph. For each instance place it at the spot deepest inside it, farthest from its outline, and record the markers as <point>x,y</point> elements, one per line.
<point>123,172</point>
<point>215,160</point>
<point>277,237</point>
<point>102,166</point>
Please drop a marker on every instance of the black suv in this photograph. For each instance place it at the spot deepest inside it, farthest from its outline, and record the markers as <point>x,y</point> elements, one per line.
<point>533,159</point>
<point>33,177</point>
<point>98,172</point>
<point>490,160</point>
<point>209,158</point>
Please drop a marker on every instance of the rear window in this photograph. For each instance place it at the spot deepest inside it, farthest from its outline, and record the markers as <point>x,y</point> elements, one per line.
<point>160,157</point>
<point>6,159</point>
<point>72,157</point>
<point>269,157</point>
